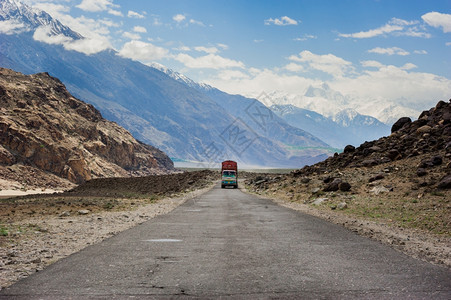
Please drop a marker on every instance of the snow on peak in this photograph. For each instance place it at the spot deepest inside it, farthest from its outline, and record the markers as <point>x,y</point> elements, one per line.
<point>27,18</point>
<point>180,77</point>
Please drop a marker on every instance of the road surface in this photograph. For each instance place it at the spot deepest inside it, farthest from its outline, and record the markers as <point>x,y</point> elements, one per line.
<point>229,244</point>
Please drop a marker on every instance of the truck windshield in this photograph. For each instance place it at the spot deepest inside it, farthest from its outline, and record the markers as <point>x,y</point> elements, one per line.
<point>228,173</point>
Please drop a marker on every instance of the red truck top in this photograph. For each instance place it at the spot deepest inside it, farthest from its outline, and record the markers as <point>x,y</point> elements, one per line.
<point>229,165</point>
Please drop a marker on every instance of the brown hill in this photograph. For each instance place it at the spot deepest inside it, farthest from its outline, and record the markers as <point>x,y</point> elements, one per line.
<point>43,127</point>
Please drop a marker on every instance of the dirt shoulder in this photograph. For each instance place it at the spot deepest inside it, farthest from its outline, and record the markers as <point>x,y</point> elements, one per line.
<point>38,230</point>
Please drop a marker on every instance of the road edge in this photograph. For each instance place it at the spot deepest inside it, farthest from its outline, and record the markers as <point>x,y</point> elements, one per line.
<point>414,243</point>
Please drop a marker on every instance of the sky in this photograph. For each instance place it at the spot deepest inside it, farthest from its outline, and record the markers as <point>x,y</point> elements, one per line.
<point>371,49</point>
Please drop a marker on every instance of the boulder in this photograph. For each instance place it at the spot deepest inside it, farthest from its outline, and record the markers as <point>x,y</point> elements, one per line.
<point>379,189</point>
<point>344,186</point>
<point>369,162</point>
<point>437,160</point>
<point>400,124</point>
<point>424,129</point>
<point>318,201</point>
<point>342,205</point>
<point>333,186</point>
<point>349,149</point>
<point>393,154</point>
<point>421,172</point>
<point>445,182</point>
<point>305,180</point>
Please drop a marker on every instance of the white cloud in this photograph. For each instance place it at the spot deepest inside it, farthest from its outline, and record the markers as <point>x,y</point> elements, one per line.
<point>209,50</point>
<point>376,82</point>
<point>258,81</point>
<point>115,13</point>
<point>389,51</point>
<point>293,67</point>
<point>372,33</point>
<point>258,41</point>
<point>210,61</point>
<point>52,8</point>
<point>414,32</point>
<point>222,46</point>
<point>195,22</point>
<point>327,63</point>
<point>436,19</point>
<point>179,18</point>
<point>448,44</point>
<point>402,22</point>
<point>142,51</point>
<point>182,48</point>
<point>43,34</point>
<point>10,27</point>
<point>87,46</point>
<point>420,52</point>
<point>132,36</point>
<point>134,14</point>
<point>231,74</point>
<point>419,90</point>
<point>395,26</point>
<point>283,21</point>
<point>139,29</point>
<point>305,37</point>
<point>409,66</point>
<point>99,5</point>
<point>371,63</point>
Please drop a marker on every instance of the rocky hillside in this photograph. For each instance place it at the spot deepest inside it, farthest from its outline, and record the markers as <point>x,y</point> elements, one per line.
<point>402,179</point>
<point>44,127</point>
<point>429,135</point>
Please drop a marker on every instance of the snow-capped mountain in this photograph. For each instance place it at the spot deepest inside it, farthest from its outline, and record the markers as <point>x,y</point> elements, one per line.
<point>176,115</point>
<point>27,18</point>
<point>340,129</point>
<point>345,128</point>
<point>326,101</point>
<point>321,99</point>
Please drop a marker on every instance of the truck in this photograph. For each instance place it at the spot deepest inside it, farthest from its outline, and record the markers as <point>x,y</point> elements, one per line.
<point>229,174</point>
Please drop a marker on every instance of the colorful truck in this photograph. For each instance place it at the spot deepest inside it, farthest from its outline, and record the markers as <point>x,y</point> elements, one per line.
<point>229,174</point>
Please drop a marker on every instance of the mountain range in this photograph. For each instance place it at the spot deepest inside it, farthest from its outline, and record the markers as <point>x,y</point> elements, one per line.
<point>181,120</point>
<point>328,102</point>
<point>189,121</point>
<point>347,127</point>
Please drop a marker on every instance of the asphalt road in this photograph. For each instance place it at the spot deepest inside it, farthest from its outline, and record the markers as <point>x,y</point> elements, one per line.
<point>228,244</point>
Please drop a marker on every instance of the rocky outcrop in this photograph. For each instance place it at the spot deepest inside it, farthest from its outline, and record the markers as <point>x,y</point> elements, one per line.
<point>43,126</point>
<point>430,135</point>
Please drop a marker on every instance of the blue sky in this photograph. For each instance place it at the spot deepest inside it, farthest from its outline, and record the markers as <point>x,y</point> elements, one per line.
<point>394,49</point>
